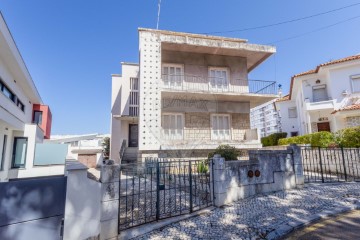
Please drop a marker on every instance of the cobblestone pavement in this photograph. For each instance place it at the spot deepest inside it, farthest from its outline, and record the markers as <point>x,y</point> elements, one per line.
<point>258,217</point>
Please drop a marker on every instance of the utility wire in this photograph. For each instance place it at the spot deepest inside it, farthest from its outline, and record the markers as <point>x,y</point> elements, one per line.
<point>285,22</point>
<point>315,30</point>
<point>158,16</point>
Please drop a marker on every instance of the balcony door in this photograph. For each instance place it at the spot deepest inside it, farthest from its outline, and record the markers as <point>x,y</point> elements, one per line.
<point>220,127</point>
<point>172,76</point>
<point>173,125</point>
<point>219,79</point>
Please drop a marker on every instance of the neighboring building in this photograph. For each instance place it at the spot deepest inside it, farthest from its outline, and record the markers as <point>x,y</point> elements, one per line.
<point>326,98</point>
<point>265,118</point>
<point>87,149</point>
<point>189,94</point>
<point>24,120</point>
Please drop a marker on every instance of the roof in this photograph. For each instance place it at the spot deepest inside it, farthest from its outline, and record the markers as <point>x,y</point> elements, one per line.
<point>348,108</point>
<point>284,98</point>
<point>316,70</point>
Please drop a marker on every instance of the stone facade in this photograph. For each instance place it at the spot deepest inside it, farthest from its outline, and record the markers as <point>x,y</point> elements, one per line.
<point>239,122</point>
<point>197,126</point>
<point>314,127</point>
<point>353,121</point>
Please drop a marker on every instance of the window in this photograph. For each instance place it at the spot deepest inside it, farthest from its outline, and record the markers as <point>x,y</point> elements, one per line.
<point>355,83</point>
<point>320,93</point>
<point>19,152</point>
<point>37,117</point>
<point>173,126</point>
<point>294,134</point>
<point>3,153</point>
<point>219,78</point>
<point>220,126</point>
<point>172,75</point>
<point>292,112</point>
<point>134,97</point>
<point>9,94</point>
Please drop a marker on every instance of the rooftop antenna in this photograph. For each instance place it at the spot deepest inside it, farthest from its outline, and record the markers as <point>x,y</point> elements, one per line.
<point>158,17</point>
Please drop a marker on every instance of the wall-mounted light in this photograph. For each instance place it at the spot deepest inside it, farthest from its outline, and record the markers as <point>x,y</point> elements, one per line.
<point>318,81</point>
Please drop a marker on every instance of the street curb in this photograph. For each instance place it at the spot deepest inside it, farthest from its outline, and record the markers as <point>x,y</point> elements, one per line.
<point>287,228</point>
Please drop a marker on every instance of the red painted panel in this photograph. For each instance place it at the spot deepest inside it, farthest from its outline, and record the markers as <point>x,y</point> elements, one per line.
<point>46,118</point>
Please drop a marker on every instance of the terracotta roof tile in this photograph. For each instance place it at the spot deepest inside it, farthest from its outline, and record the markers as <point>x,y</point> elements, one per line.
<point>348,108</point>
<point>284,98</point>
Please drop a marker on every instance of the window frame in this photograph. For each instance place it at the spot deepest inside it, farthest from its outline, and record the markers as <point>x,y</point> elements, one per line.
<point>3,152</point>
<point>36,111</point>
<point>14,152</point>
<point>295,110</point>
<point>352,78</point>
<point>13,97</point>
<point>173,136</point>
<point>214,68</point>
<point>170,81</point>
<point>212,126</point>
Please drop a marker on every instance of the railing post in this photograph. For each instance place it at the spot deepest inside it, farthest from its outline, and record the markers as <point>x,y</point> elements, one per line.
<point>321,167</point>
<point>157,190</point>
<point>343,158</point>
<point>190,183</point>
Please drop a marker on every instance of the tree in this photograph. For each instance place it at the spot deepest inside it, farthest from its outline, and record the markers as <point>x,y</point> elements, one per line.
<point>106,147</point>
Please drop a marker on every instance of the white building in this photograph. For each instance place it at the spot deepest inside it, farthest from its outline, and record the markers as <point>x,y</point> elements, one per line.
<point>24,120</point>
<point>189,94</point>
<point>87,149</point>
<point>326,98</point>
<point>265,118</point>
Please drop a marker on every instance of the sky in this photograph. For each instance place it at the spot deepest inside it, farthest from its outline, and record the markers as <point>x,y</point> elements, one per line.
<point>71,48</point>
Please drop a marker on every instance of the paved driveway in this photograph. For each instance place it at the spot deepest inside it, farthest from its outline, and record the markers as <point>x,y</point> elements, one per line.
<point>266,216</point>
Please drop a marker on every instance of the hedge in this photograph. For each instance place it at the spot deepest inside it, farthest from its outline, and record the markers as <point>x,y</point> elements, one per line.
<point>226,151</point>
<point>272,140</point>
<point>348,137</point>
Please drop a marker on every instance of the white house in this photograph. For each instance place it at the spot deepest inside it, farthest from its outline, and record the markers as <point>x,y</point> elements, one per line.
<point>265,118</point>
<point>24,120</point>
<point>87,149</point>
<point>189,94</point>
<point>326,98</point>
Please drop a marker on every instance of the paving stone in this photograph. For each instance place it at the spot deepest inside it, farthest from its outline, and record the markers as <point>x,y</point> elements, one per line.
<point>265,216</point>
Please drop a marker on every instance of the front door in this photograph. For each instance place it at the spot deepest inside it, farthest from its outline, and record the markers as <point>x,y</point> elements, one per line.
<point>325,126</point>
<point>133,135</point>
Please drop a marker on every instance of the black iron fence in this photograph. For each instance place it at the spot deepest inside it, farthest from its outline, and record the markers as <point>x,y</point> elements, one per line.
<point>330,164</point>
<point>161,188</point>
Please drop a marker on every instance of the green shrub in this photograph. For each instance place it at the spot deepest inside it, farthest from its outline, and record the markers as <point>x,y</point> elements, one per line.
<point>348,137</point>
<point>226,151</point>
<point>203,167</point>
<point>318,139</point>
<point>273,139</point>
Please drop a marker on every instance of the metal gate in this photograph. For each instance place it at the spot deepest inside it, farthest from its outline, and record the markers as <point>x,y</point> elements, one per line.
<point>162,188</point>
<point>330,164</point>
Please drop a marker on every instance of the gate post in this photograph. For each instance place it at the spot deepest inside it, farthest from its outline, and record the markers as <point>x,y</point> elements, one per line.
<point>157,190</point>
<point>109,209</point>
<point>190,183</point>
<point>343,158</point>
<point>321,167</point>
<point>298,166</point>
<point>217,179</point>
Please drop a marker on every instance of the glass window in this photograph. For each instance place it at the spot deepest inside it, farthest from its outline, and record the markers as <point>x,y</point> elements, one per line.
<point>220,126</point>
<point>19,152</point>
<point>173,126</point>
<point>21,105</point>
<point>355,81</point>
<point>3,153</point>
<point>37,117</point>
<point>292,112</point>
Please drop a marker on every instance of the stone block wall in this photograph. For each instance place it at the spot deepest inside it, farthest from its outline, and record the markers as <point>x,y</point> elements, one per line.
<point>197,126</point>
<point>239,122</point>
<point>266,171</point>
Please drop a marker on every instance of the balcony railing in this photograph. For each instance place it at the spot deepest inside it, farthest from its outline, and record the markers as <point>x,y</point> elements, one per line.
<point>206,134</point>
<point>217,84</point>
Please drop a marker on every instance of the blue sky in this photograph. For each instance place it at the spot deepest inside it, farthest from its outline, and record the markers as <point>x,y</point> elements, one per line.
<point>72,47</point>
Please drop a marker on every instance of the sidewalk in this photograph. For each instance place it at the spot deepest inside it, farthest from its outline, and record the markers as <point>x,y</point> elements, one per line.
<point>267,216</point>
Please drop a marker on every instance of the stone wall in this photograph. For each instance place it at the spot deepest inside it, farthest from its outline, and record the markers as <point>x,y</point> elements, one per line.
<point>266,171</point>
<point>353,121</point>
<point>197,126</point>
<point>239,122</point>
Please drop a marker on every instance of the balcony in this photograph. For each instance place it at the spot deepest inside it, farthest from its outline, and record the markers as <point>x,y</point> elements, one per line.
<point>319,104</point>
<point>191,83</point>
<point>201,138</point>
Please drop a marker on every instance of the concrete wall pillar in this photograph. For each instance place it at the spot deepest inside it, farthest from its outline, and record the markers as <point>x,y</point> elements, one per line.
<point>298,167</point>
<point>109,224</point>
<point>218,176</point>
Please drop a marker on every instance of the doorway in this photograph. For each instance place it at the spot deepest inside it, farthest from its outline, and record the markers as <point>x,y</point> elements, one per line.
<point>133,135</point>
<point>324,126</point>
